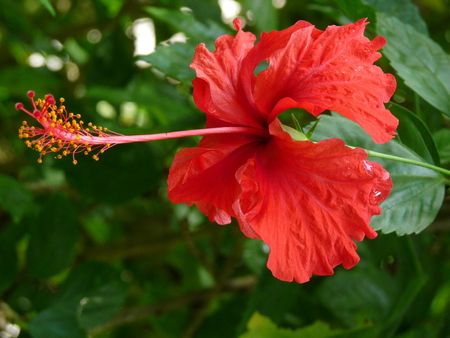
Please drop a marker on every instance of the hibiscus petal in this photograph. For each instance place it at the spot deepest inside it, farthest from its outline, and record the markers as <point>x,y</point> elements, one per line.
<point>330,70</point>
<point>205,175</point>
<point>309,201</point>
<point>218,89</point>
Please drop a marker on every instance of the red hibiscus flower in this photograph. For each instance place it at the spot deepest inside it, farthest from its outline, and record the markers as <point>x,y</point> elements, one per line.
<point>307,201</point>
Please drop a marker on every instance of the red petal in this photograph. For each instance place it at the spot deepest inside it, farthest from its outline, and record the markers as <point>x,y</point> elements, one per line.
<point>330,70</point>
<point>306,201</point>
<point>206,175</point>
<point>309,201</point>
<point>218,87</point>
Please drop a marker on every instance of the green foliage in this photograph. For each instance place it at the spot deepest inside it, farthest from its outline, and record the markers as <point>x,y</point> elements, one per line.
<point>15,198</point>
<point>421,62</point>
<point>97,250</point>
<point>53,236</point>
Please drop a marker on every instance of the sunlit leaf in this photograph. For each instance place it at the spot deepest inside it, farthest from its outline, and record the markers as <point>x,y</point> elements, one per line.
<point>262,327</point>
<point>48,5</point>
<point>421,62</point>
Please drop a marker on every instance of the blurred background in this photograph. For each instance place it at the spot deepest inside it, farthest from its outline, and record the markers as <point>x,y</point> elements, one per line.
<point>97,249</point>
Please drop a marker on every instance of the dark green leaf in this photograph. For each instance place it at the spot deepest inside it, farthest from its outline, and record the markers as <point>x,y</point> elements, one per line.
<point>15,198</point>
<point>380,288</point>
<point>95,291</point>
<point>272,298</point>
<point>8,264</point>
<point>442,138</point>
<point>357,9</point>
<point>48,5</point>
<point>56,322</point>
<point>422,63</point>
<point>53,238</point>
<point>122,173</point>
<point>418,192</point>
<point>414,134</point>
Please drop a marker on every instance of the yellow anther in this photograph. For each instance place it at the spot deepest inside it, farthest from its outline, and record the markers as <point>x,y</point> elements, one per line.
<point>78,116</point>
<point>75,162</point>
<point>39,160</point>
<point>95,157</point>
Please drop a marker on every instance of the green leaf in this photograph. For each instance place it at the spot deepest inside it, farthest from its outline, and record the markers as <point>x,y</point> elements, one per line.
<point>418,192</point>
<point>272,298</point>
<point>48,5</point>
<point>404,10</point>
<point>53,238</point>
<point>8,264</point>
<point>262,327</point>
<point>15,198</point>
<point>173,60</point>
<point>357,9</point>
<point>421,62</point>
<point>379,289</point>
<point>442,138</point>
<point>56,322</point>
<point>92,293</point>
<point>186,22</point>
<point>95,291</point>
<point>414,134</point>
<point>264,14</point>
<point>109,179</point>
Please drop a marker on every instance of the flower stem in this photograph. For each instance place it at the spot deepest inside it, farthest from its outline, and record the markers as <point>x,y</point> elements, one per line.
<point>120,139</point>
<point>407,160</point>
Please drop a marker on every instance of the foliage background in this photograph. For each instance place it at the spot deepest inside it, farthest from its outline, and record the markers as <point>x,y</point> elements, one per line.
<point>97,250</point>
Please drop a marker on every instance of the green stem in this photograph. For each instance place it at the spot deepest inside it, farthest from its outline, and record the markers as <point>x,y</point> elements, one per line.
<point>407,160</point>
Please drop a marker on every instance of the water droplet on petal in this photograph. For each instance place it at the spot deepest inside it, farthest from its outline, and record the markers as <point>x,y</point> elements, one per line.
<point>366,169</point>
<point>376,197</point>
